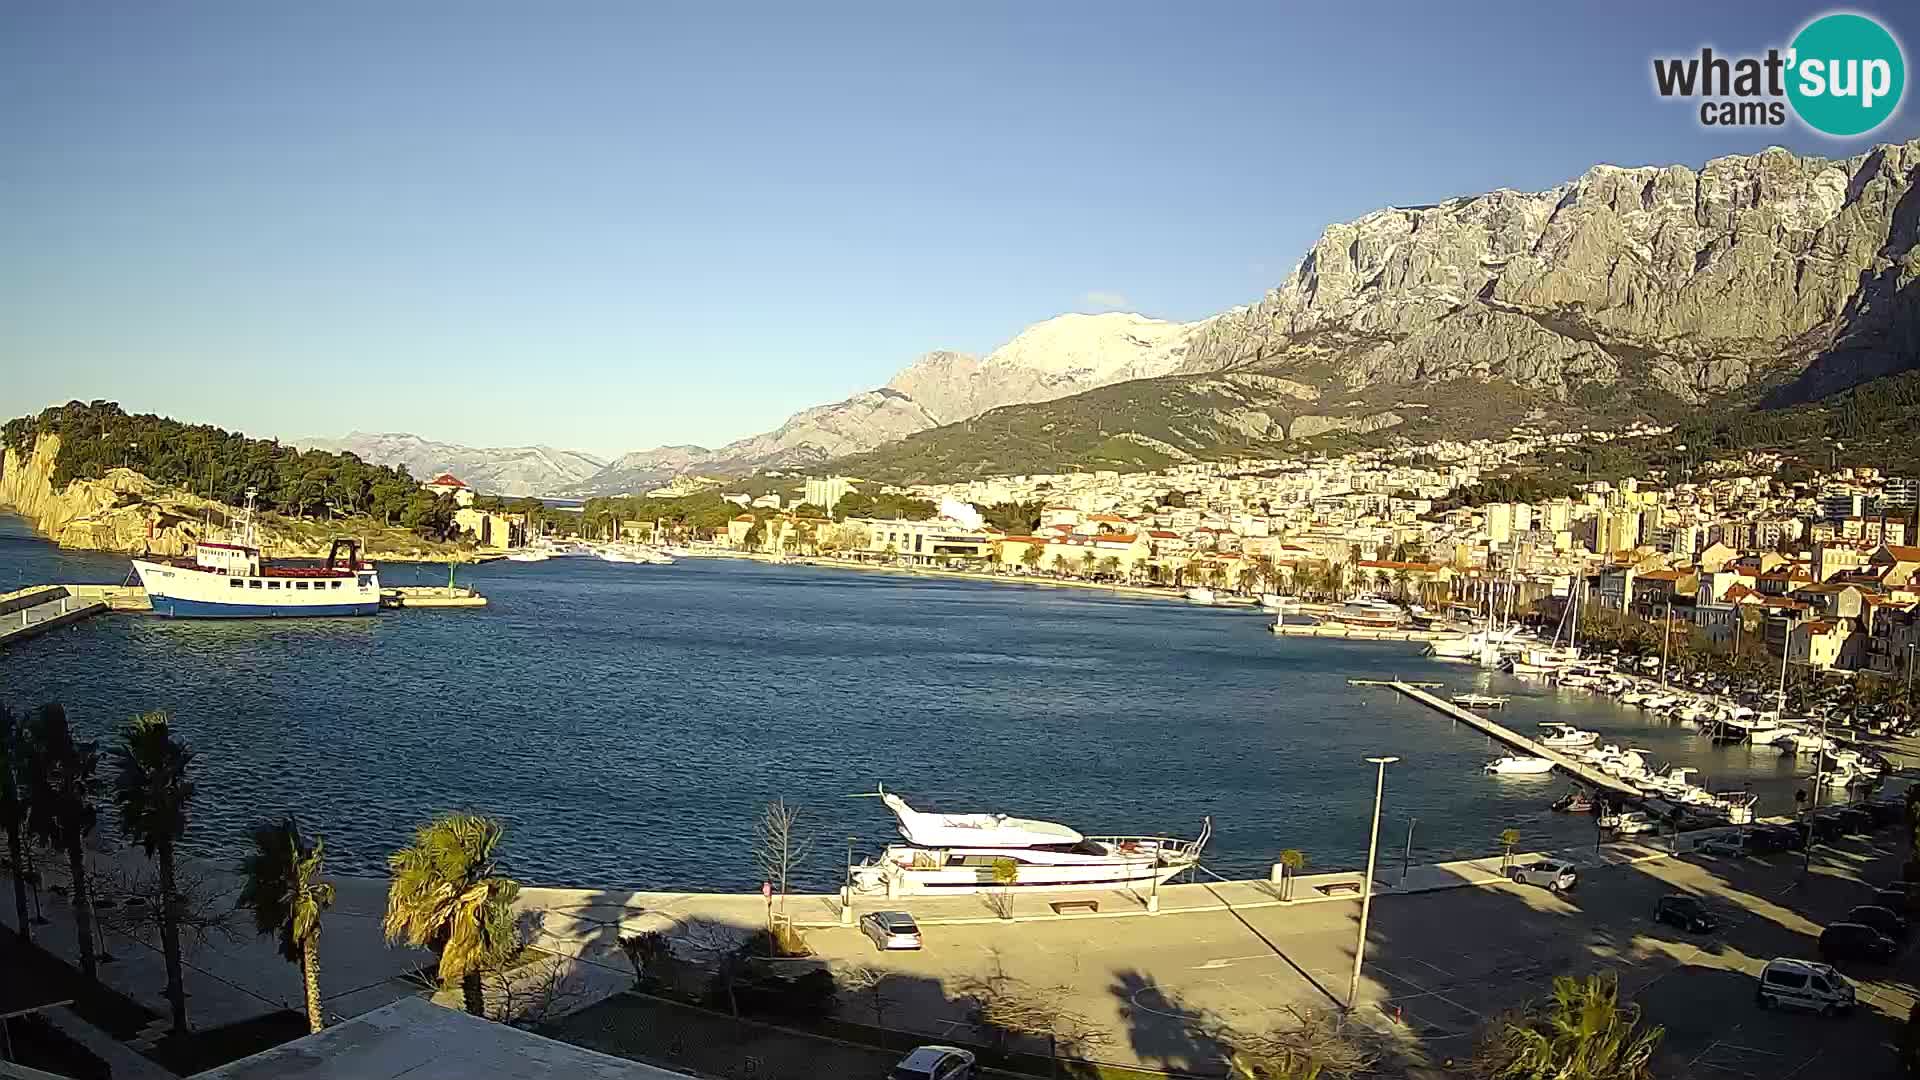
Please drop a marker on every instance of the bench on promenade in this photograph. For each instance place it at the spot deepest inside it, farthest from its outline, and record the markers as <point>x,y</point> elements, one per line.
<point>1061,907</point>
<point>1339,888</point>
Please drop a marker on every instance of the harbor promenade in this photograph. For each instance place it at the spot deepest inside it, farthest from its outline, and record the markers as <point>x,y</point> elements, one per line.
<point>1451,944</point>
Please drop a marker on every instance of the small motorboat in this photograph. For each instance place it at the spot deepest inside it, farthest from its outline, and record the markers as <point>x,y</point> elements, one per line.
<point>1574,802</point>
<point>1558,736</point>
<point>1480,701</point>
<point>1519,765</point>
<point>1200,595</point>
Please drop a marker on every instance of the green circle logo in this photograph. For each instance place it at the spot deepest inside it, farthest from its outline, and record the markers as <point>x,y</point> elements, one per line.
<point>1847,74</point>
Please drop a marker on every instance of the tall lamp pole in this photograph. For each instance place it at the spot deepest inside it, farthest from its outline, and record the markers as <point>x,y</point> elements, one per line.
<point>1366,886</point>
<point>846,896</point>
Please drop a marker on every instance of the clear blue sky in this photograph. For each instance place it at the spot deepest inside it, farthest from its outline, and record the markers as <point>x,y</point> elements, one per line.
<point>609,226</point>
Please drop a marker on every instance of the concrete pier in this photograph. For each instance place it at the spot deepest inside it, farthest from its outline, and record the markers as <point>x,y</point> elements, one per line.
<point>430,596</point>
<point>37,609</point>
<point>1580,770</point>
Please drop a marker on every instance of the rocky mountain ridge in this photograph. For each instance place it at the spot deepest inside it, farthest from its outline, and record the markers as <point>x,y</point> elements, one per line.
<point>512,470</point>
<point>1768,278</point>
<point>1056,358</point>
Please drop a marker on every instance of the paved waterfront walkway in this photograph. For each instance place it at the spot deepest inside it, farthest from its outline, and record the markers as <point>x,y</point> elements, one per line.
<point>237,975</point>
<point>235,978</point>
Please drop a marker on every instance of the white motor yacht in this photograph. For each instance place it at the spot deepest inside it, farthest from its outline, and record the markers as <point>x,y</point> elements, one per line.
<point>1200,595</point>
<point>1369,612</point>
<point>1519,765</point>
<point>1565,736</point>
<point>1468,646</point>
<point>960,853</point>
<point>527,555</point>
<point>1273,601</point>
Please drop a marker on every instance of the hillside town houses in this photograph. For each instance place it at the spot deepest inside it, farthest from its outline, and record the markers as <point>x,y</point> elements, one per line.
<point>1826,569</point>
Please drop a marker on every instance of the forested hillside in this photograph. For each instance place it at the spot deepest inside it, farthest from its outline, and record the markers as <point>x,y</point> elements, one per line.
<point>206,460</point>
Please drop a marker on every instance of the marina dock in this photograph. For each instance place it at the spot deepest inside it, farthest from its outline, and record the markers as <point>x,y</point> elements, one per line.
<point>37,609</point>
<point>1580,770</point>
<point>430,596</point>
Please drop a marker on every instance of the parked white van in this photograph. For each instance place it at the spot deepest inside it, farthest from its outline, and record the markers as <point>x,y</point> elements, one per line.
<point>1803,984</point>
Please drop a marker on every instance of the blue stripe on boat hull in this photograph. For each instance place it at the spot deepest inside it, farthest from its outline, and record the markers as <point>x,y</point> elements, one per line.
<point>201,609</point>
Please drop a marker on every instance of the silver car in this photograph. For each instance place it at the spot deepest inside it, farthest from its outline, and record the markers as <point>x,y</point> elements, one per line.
<point>935,1063</point>
<point>891,929</point>
<point>1552,874</point>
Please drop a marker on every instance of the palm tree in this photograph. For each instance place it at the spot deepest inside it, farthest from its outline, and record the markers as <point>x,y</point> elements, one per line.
<point>151,789</point>
<point>281,884</point>
<point>1087,559</point>
<point>1582,1031</point>
<point>61,810</point>
<point>445,897</point>
<point>13,811</point>
<point>1292,861</point>
<point>1110,566</point>
<point>1031,555</point>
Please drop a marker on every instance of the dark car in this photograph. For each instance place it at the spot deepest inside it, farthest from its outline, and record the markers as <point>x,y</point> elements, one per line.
<point>1856,941</point>
<point>1894,898</point>
<point>1855,820</point>
<point>1766,838</point>
<point>1887,920</point>
<point>1885,811</point>
<point>1685,912</point>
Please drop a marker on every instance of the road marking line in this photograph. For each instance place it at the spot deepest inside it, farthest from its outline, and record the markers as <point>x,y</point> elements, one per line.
<point>1228,961</point>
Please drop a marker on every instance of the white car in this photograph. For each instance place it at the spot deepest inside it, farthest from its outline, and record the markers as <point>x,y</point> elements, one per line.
<point>1552,874</point>
<point>891,929</point>
<point>935,1063</point>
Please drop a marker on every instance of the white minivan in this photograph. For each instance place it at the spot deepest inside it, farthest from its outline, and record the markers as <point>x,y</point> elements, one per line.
<point>1803,984</point>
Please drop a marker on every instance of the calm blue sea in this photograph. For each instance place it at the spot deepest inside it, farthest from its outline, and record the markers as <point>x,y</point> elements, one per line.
<point>628,722</point>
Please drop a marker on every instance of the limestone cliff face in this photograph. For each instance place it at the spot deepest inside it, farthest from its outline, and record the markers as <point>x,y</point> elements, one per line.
<point>122,511</point>
<point>1697,282</point>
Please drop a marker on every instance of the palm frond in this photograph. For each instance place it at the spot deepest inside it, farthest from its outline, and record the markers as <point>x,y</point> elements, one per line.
<point>446,897</point>
<point>150,784</point>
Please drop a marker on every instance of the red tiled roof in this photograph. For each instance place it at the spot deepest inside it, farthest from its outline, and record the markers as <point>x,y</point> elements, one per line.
<point>446,479</point>
<point>1163,534</point>
<point>1904,553</point>
<point>743,517</point>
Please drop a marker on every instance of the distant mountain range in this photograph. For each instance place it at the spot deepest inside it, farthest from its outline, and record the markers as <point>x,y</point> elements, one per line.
<point>1056,358</point>
<point>1758,280</point>
<point>503,470</point>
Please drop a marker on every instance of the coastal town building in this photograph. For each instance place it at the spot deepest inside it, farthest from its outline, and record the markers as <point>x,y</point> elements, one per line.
<point>449,484</point>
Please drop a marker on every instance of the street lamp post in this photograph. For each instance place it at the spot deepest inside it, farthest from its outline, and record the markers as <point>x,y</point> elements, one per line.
<point>846,894</point>
<point>1366,886</point>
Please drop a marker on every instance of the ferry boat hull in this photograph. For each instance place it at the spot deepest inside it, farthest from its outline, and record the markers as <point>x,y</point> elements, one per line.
<point>178,592</point>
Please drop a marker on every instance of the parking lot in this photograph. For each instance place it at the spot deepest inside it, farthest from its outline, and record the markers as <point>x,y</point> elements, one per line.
<point>1440,965</point>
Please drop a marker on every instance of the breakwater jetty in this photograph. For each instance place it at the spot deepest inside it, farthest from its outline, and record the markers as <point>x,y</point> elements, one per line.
<point>1580,770</point>
<point>34,610</point>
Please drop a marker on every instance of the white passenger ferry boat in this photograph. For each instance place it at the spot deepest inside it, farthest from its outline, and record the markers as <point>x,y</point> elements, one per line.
<point>957,853</point>
<point>232,581</point>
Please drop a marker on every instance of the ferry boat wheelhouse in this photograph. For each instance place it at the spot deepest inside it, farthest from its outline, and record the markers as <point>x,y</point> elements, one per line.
<point>958,853</point>
<point>232,581</point>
